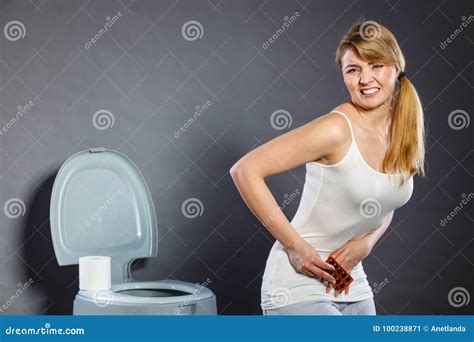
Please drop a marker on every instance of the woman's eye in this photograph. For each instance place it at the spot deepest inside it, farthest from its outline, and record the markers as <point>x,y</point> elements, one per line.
<point>378,65</point>
<point>351,71</point>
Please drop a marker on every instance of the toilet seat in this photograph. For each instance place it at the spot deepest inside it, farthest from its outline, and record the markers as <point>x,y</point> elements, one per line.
<point>198,300</point>
<point>101,205</point>
<point>191,293</point>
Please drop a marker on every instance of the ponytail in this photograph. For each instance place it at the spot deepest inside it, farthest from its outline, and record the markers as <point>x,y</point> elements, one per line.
<point>407,133</point>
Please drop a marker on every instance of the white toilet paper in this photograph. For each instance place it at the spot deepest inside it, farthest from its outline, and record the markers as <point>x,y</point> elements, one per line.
<point>94,273</point>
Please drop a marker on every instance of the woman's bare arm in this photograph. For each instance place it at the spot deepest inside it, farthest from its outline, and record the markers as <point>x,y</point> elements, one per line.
<point>319,138</point>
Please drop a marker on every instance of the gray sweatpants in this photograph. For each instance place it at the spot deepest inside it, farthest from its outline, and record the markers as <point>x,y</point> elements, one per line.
<point>326,307</point>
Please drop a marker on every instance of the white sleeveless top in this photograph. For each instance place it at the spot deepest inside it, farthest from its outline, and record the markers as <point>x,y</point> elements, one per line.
<point>339,202</point>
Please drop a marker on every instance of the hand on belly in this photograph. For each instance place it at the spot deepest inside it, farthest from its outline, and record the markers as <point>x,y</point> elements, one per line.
<point>348,256</point>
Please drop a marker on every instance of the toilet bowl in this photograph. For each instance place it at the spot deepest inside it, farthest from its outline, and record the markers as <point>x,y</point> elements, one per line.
<point>101,206</point>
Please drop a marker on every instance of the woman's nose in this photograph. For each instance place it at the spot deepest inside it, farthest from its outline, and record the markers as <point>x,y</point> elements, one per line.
<point>365,76</point>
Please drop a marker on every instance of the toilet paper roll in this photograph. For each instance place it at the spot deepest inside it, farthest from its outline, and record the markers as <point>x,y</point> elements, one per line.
<point>94,273</point>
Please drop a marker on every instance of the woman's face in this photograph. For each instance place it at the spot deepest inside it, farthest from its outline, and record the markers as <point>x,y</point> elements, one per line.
<point>370,84</point>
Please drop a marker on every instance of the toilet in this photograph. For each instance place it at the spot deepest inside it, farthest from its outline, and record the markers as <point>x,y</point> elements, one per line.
<point>101,206</point>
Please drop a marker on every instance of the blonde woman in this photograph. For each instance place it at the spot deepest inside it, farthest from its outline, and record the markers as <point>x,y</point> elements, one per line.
<point>360,160</point>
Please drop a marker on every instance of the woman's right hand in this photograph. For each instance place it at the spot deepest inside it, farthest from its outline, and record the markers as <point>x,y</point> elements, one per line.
<point>306,260</point>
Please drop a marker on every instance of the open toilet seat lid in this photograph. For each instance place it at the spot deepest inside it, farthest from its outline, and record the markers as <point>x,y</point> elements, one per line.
<point>101,205</point>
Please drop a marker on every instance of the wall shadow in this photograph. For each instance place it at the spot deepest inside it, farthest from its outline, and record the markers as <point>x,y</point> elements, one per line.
<point>59,283</point>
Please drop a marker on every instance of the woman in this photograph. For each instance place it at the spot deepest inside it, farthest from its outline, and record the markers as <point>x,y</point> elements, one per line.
<point>360,160</point>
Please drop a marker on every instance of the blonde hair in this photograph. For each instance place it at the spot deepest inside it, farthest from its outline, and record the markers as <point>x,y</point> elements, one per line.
<point>374,42</point>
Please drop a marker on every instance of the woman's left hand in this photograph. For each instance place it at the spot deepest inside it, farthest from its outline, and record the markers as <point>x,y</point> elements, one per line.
<point>349,255</point>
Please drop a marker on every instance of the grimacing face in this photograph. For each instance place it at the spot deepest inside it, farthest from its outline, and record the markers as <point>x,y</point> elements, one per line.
<point>369,84</point>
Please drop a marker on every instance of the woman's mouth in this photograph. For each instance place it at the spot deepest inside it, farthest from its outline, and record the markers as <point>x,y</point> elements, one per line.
<point>369,92</point>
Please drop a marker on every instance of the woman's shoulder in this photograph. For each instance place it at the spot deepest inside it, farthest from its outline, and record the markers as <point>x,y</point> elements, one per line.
<point>346,108</point>
<point>335,123</point>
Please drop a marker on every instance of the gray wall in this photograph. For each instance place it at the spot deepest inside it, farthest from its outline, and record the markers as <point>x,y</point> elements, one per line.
<point>151,79</point>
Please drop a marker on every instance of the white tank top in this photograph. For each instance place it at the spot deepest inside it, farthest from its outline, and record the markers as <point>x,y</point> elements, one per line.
<point>339,202</point>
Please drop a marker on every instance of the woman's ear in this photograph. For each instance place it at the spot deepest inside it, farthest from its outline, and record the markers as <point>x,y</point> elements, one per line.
<point>397,71</point>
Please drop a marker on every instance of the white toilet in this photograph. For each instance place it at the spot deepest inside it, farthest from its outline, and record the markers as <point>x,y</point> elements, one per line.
<point>101,206</point>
